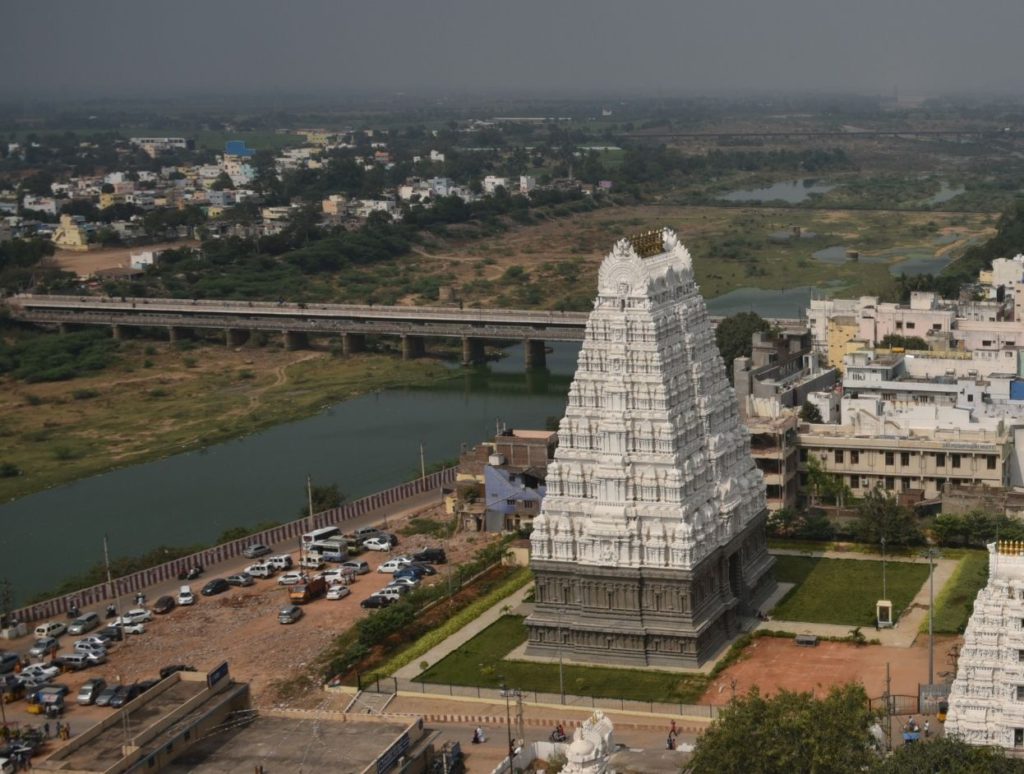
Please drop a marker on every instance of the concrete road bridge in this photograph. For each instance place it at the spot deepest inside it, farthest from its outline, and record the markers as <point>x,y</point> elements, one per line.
<point>297,323</point>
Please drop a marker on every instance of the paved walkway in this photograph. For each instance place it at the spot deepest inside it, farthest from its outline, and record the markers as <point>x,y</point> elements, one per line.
<point>465,634</point>
<point>907,627</point>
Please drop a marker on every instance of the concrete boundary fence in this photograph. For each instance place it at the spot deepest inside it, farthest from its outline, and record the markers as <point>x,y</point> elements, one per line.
<point>129,585</point>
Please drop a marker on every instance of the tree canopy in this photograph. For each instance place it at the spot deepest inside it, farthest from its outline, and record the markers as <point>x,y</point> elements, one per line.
<point>879,515</point>
<point>791,733</point>
<point>734,336</point>
<point>810,413</point>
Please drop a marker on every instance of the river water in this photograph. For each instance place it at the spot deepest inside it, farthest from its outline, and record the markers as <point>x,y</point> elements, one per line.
<point>362,445</point>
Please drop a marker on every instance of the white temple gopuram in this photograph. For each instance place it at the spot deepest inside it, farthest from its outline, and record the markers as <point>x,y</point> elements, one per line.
<point>650,543</point>
<point>986,700</point>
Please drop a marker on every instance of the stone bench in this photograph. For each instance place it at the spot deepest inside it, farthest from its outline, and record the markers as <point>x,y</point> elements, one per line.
<point>806,640</point>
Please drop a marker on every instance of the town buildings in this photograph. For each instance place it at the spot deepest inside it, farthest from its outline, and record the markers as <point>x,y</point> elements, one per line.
<point>650,545</point>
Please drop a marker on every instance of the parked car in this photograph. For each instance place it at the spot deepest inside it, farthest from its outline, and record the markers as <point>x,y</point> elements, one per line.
<point>312,562</point>
<point>137,615</point>
<point>42,646</point>
<point>410,571</point>
<point>106,694</point>
<point>337,591</point>
<point>90,690</point>
<point>164,605</point>
<point>394,565</point>
<point>215,586</point>
<point>84,623</point>
<point>289,614</point>
<point>281,562</point>
<point>72,662</point>
<point>392,538</point>
<point>291,578</point>
<point>394,593</point>
<point>134,628</point>
<point>185,596</point>
<point>89,646</point>
<point>191,573</point>
<point>8,660</point>
<point>339,575</point>
<point>95,659</point>
<point>358,566</point>
<point>108,635</point>
<point>124,695</point>
<point>410,583</point>
<point>240,579</point>
<point>145,685</point>
<point>431,556</point>
<point>50,629</point>
<point>377,544</point>
<point>255,550</point>
<point>375,600</point>
<point>38,672</point>
<point>261,570</point>
<point>426,569</point>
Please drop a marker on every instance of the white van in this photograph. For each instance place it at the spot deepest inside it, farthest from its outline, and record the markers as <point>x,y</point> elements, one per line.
<point>50,629</point>
<point>185,596</point>
<point>280,562</point>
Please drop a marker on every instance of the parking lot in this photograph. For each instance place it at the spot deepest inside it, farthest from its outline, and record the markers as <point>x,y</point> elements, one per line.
<point>240,626</point>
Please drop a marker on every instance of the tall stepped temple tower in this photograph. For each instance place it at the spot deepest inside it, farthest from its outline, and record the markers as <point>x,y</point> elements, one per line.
<point>650,544</point>
<point>986,700</point>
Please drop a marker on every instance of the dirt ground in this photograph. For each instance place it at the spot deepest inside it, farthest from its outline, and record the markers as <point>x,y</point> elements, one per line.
<point>776,663</point>
<point>85,264</point>
<point>241,626</point>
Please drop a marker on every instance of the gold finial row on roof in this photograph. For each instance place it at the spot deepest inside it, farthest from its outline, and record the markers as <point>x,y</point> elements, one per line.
<point>1010,547</point>
<point>648,243</point>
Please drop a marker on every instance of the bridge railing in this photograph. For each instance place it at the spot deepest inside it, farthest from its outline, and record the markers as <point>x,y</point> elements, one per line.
<point>129,585</point>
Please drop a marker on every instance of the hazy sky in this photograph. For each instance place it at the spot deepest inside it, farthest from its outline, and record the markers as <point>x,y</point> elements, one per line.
<point>132,47</point>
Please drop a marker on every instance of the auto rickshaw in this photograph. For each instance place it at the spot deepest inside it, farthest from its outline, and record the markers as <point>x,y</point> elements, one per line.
<point>943,709</point>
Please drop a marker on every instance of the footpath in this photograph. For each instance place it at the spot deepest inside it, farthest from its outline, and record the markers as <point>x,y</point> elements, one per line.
<point>906,628</point>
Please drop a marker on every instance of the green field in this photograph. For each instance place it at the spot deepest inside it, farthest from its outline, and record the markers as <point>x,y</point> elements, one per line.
<point>843,591</point>
<point>481,662</point>
<point>955,602</point>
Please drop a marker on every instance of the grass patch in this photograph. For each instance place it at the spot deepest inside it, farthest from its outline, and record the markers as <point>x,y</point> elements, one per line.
<point>843,591</point>
<point>956,600</point>
<point>481,661</point>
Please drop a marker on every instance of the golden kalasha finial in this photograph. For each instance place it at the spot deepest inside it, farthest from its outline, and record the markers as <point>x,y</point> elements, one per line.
<point>648,243</point>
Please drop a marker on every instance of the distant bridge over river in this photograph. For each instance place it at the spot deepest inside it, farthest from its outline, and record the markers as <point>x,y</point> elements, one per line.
<point>297,323</point>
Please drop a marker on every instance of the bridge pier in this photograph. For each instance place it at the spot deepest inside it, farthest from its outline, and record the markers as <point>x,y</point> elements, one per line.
<point>472,351</point>
<point>295,340</point>
<point>116,331</point>
<point>235,337</point>
<point>352,343</point>
<point>178,333</point>
<point>535,354</point>
<point>412,347</point>
<point>63,328</point>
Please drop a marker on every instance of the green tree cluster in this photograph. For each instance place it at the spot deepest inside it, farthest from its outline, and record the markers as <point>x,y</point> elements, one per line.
<point>48,358</point>
<point>906,342</point>
<point>879,516</point>
<point>975,528</point>
<point>734,336</point>
<point>324,498</point>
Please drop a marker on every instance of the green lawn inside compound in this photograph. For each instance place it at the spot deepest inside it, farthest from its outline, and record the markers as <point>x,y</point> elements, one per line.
<point>843,591</point>
<point>955,602</point>
<point>481,662</point>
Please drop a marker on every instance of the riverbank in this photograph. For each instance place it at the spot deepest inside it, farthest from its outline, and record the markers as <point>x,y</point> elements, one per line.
<point>161,399</point>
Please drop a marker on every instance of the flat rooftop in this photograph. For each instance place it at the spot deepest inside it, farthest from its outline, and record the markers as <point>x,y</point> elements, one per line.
<point>293,745</point>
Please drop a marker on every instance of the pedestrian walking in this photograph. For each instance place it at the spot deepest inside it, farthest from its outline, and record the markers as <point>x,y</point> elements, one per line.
<point>57,731</point>
<point>927,732</point>
<point>46,729</point>
<point>672,730</point>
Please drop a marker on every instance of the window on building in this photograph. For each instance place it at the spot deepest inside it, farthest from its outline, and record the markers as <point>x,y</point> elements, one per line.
<point>986,342</point>
<point>854,482</point>
<point>956,460</point>
<point>904,458</point>
<point>855,457</point>
<point>803,455</point>
<point>911,326</point>
<point>1020,693</point>
<point>1018,737</point>
<point>940,460</point>
<point>936,326</point>
<point>890,458</point>
<point>1020,655</point>
<point>991,460</point>
<point>890,483</point>
<point>838,455</point>
<point>899,325</point>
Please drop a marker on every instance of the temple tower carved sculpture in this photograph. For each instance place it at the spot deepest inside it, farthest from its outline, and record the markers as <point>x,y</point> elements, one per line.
<point>650,544</point>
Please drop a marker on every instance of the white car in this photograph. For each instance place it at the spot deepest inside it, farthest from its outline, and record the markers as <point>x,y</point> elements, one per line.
<point>291,579</point>
<point>392,566</point>
<point>134,628</point>
<point>138,615</point>
<point>338,592</point>
<point>261,570</point>
<point>88,646</point>
<point>39,672</point>
<point>185,596</point>
<point>339,575</point>
<point>377,544</point>
<point>50,629</point>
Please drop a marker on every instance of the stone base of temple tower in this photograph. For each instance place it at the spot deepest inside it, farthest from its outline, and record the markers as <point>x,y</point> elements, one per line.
<point>647,616</point>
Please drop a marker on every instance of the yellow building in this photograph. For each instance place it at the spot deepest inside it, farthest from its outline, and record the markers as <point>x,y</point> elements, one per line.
<point>841,332</point>
<point>69,236</point>
<point>110,199</point>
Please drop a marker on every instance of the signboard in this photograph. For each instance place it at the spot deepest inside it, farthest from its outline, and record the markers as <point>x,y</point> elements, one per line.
<point>218,674</point>
<point>390,757</point>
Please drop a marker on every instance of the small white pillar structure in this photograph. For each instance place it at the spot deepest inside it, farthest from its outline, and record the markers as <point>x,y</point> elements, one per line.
<point>883,614</point>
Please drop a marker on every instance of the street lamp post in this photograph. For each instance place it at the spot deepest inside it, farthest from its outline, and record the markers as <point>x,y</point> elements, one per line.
<point>508,722</point>
<point>931,616</point>
<point>561,677</point>
<point>884,589</point>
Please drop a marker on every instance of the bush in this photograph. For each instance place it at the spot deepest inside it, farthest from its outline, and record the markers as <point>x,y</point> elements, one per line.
<point>84,394</point>
<point>9,470</point>
<point>53,358</point>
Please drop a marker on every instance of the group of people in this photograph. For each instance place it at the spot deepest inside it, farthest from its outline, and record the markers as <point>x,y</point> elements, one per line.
<point>673,732</point>
<point>61,730</point>
<point>913,727</point>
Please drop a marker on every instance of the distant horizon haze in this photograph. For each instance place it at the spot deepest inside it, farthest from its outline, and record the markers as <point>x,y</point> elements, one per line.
<point>67,50</point>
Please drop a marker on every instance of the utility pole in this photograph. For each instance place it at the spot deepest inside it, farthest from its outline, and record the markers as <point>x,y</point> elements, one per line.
<point>508,722</point>
<point>312,522</point>
<point>110,581</point>
<point>931,616</point>
<point>423,462</point>
<point>884,588</point>
<point>888,708</point>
